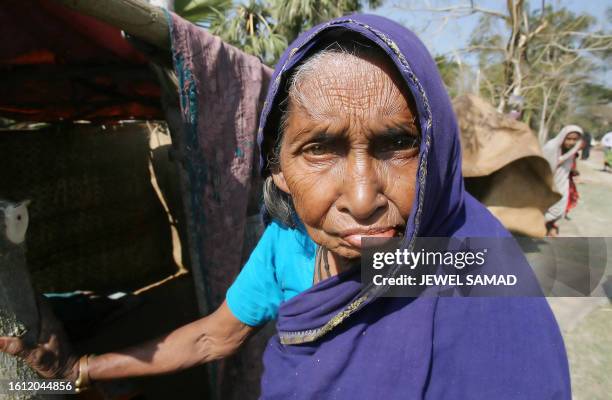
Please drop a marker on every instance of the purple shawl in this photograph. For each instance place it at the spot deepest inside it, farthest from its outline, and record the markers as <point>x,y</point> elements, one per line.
<point>357,345</point>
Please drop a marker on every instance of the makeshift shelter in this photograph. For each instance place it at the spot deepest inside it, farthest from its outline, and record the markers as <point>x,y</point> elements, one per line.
<point>67,67</point>
<point>108,206</point>
<point>93,203</point>
<point>89,149</point>
<point>503,166</point>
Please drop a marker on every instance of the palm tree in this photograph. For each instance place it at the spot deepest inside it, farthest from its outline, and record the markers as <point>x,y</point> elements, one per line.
<point>251,28</point>
<point>206,13</point>
<point>264,27</point>
<point>293,16</point>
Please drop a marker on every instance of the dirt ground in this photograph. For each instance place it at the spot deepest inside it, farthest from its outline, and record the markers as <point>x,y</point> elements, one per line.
<point>586,323</point>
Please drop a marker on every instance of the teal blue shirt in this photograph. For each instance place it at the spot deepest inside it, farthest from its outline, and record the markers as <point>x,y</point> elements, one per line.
<point>280,267</point>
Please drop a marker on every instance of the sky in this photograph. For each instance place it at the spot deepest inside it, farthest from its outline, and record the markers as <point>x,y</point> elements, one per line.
<point>445,37</point>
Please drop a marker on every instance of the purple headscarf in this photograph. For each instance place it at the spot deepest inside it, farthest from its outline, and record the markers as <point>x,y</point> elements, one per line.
<point>339,340</point>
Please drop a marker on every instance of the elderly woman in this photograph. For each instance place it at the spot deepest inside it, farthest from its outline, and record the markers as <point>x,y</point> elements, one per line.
<point>358,140</point>
<point>560,152</point>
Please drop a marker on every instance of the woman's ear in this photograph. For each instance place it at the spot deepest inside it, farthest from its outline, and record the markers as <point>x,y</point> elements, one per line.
<point>279,181</point>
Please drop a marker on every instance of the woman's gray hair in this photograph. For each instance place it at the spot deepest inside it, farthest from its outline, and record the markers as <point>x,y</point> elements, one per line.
<point>278,204</point>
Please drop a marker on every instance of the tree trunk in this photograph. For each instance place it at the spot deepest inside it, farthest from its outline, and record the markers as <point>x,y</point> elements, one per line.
<point>543,133</point>
<point>543,128</point>
<point>18,307</point>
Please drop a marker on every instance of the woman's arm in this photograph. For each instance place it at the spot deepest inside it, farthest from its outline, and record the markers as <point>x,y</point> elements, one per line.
<point>213,337</point>
<point>564,157</point>
<point>210,338</point>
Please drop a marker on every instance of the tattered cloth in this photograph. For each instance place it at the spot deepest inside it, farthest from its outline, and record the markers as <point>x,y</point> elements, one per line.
<point>222,91</point>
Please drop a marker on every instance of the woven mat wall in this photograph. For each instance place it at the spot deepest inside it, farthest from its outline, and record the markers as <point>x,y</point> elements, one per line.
<point>95,220</point>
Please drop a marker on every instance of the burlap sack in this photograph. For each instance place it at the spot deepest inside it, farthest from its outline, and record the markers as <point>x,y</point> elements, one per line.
<point>503,166</point>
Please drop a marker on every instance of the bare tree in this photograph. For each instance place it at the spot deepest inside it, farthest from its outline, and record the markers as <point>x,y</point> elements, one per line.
<point>539,57</point>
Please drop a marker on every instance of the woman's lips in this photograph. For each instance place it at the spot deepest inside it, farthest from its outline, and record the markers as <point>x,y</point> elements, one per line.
<point>354,239</point>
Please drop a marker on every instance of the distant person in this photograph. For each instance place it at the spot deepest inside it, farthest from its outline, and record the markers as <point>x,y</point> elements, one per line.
<point>572,199</point>
<point>606,142</point>
<point>586,151</point>
<point>560,152</point>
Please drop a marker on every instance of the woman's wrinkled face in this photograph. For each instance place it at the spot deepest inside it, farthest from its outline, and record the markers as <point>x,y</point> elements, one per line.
<point>570,140</point>
<point>349,152</point>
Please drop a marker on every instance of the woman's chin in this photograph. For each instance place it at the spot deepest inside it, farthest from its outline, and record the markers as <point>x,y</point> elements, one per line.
<point>348,252</point>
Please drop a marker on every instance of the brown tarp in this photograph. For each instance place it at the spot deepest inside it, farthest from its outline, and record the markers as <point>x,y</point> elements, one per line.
<point>503,166</point>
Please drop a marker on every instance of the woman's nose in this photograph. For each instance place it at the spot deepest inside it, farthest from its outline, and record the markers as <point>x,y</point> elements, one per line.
<point>361,195</point>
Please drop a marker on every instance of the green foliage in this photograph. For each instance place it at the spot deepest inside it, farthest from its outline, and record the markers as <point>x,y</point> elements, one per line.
<point>488,44</point>
<point>251,28</point>
<point>265,28</point>
<point>594,109</point>
<point>596,94</point>
<point>449,71</point>
<point>294,16</point>
<point>563,60</point>
<point>205,12</point>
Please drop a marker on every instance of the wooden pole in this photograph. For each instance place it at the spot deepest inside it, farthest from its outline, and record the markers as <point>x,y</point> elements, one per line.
<point>136,17</point>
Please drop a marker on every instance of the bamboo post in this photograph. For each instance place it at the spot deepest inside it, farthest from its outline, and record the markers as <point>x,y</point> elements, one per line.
<point>18,307</point>
<point>136,17</point>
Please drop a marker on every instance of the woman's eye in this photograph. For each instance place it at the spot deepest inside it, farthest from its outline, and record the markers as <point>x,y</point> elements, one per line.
<point>316,149</point>
<point>399,143</point>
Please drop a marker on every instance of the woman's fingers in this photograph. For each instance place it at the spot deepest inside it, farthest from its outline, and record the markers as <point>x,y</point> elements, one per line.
<point>11,345</point>
<point>52,356</point>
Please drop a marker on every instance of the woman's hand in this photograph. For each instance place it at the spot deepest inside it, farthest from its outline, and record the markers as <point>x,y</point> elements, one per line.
<point>52,356</point>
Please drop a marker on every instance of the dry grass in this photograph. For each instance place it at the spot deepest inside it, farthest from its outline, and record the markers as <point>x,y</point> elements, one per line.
<point>589,348</point>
